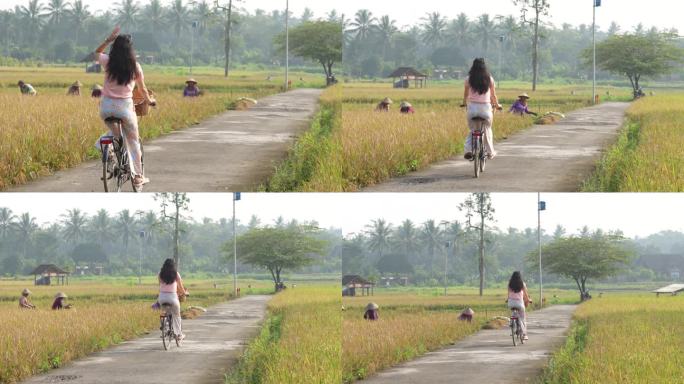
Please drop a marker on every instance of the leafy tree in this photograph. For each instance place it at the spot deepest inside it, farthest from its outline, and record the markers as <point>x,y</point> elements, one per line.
<point>128,12</point>
<point>6,221</point>
<point>88,253</point>
<point>74,222</point>
<point>434,27</point>
<point>447,56</point>
<point>479,206</point>
<point>394,263</point>
<point>277,249</point>
<point>637,55</point>
<point>379,233</point>
<point>318,41</point>
<point>583,258</point>
<point>363,25</point>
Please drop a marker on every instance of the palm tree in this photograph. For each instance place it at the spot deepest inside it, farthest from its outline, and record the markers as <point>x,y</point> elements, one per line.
<point>25,227</point>
<point>460,30</point>
<point>33,18</point>
<point>56,11</point>
<point>101,224</point>
<point>434,26</point>
<point>509,28</point>
<point>127,11</point>
<point>485,30</point>
<point>307,15</point>
<point>125,226</point>
<point>6,222</point>
<point>406,236</point>
<point>178,17</point>
<point>74,222</point>
<point>332,16</point>
<point>204,14</point>
<point>363,24</point>
<point>430,235</point>
<point>78,15</point>
<point>154,16</point>
<point>386,30</point>
<point>150,224</point>
<point>379,233</point>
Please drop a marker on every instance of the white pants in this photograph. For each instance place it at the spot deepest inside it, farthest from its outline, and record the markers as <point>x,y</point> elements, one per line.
<point>483,111</point>
<point>521,312</point>
<point>172,300</point>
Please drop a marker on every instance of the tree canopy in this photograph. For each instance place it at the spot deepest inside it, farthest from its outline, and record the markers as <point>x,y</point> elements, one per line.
<point>637,55</point>
<point>279,248</point>
<point>318,41</point>
<point>584,257</point>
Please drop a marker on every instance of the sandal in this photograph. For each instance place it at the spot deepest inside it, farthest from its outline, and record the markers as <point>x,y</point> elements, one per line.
<point>138,181</point>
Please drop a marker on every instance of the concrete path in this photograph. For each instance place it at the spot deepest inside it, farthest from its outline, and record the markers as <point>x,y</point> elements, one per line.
<point>234,151</point>
<point>214,342</point>
<point>544,158</point>
<point>488,356</point>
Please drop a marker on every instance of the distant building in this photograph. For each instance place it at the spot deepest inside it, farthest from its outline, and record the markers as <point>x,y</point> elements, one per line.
<point>47,273</point>
<point>350,283</point>
<point>406,75</point>
<point>393,281</point>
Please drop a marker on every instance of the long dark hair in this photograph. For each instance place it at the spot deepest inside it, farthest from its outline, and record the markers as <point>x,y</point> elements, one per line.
<point>122,66</point>
<point>479,77</point>
<point>168,271</point>
<point>516,283</point>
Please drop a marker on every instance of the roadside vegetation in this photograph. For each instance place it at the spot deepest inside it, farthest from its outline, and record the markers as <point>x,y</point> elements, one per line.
<point>299,341</point>
<point>647,155</point>
<point>51,131</point>
<point>622,338</point>
<point>105,312</point>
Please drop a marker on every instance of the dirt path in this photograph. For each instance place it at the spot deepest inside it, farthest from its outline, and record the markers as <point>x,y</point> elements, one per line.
<point>234,151</point>
<point>214,343</point>
<point>544,158</point>
<point>488,356</point>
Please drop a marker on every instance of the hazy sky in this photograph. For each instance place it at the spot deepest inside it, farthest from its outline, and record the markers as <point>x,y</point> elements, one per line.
<point>636,214</point>
<point>661,13</point>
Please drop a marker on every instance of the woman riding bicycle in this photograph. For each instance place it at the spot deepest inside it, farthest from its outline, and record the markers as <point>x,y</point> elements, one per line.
<point>518,299</point>
<point>479,96</point>
<point>170,283</point>
<point>122,75</point>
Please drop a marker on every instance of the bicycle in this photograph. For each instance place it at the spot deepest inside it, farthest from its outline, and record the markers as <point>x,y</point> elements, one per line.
<point>116,165</point>
<point>479,158</point>
<point>166,327</point>
<point>516,327</point>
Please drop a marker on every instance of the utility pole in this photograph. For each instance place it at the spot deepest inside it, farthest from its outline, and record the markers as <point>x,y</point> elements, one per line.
<point>192,44</point>
<point>595,3</point>
<point>541,206</point>
<point>142,239</point>
<point>287,45</point>
<point>236,197</point>
<point>227,30</point>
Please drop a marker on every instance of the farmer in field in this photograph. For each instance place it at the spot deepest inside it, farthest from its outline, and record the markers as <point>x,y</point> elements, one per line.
<point>384,105</point>
<point>371,312</point>
<point>24,302</point>
<point>519,298</point>
<point>406,108</point>
<point>96,91</point>
<point>191,89</point>
<point>479,97</point>
<point>170,284</point>
<point>26,89</point>
<point>122,75</point>
<point>75,89</point>
<point>520,106</point>
<point>58,304</point>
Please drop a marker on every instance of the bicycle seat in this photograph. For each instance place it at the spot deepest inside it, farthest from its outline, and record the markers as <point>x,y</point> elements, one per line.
<point>113,120</point>
<point>478,118</point>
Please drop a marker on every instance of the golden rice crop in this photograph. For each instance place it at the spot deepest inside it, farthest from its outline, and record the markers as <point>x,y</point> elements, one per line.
<point>648,155</point>
<point>623,339</point>
<point>51,131</point>
<point>300,342</point>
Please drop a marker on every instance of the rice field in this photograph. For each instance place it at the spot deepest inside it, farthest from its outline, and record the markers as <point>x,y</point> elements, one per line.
<point>629,338</point>
<point>413,322</point>
<point>648,154</point>
<point>104,312</point>
<point>300,341</point>
<point>51,131</point>
<point>371,147</point>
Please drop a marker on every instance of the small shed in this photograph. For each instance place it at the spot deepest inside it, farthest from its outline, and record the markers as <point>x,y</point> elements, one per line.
<point>351,283</point>
<point>403,76</point>
<point>44,274</point>
<point>672,289</point>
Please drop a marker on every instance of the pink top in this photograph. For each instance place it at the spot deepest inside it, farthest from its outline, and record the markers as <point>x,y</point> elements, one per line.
<point>169,288</point>
<point>112,89</point>
<point>475,97</point>
<point>520,296</point>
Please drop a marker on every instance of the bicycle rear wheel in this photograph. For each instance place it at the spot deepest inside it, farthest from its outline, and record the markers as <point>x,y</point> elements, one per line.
<point>164,332</point>
<point>170,334</point>
<point>109,176</point>
<point>514,333</point>
<point>477,162</point>
<point>483,156</point>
